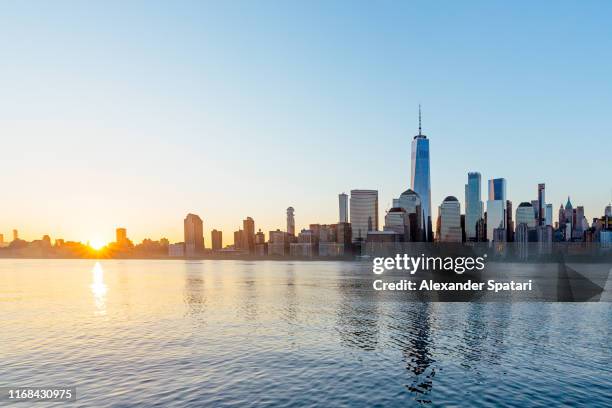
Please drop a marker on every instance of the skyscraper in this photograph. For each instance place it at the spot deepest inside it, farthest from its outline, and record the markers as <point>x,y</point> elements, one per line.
<point>248,235</point>
<point>549,214</point>
<point>121,236</point>
<point>450,220</point>
<point>290,221</point>
<point>238,239</point>
<point>420,180</point>
<point>194,235</point>
<point>473,205</point>
<point>216,238</point>
<point>525,214</point>
<point>509,222</point>
<point>526,223</point>
<point>364,213</point>
<point>411,203</point>
<point>343,207</point>
<point>496,207</point>
<point>15,235</point>
<point>541,204</point>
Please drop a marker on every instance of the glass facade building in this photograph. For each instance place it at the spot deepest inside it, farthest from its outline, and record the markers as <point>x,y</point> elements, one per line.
<point>525,214</point>
<point>420,179</point>
<point>496,207</point>
<point>473,205</point>
<point>364,213</point>
<point>450,220</point>
<point>343,208</point>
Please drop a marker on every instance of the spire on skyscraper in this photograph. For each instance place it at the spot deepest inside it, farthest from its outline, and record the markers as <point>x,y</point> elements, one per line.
<point>419,119</point>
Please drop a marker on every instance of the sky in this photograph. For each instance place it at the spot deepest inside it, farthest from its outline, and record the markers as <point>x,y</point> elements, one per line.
<point>133,114</point>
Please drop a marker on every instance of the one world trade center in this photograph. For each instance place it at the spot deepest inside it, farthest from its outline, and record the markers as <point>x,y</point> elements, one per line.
<point>420,179</point>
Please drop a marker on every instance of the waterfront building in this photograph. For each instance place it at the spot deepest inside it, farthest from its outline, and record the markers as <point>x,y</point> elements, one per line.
<point>327,232</point>
<point>509,222</point>
<point>248,235</point>
<point>397,220</point>
<point>579,223</point>
<point>410,201</point>
<point>473,205</point>
<point>545,238</point>
<point>496,207</point>
<point>194,235</point>
<point>328,241</point>
<point>290,221</point>
<point>343,208</point>
<point>278,243</point>
<point>238,236</point>
<point>344,234</point>
<point>364,213</point>
<point>535,204</point>
<point>481,231</point>
<point>450,220</point>
<point>525,214</point>
<point>260,237</point>
<point>420,180</point>
<point>541,204</point>
<point>549,214</point>
<point>15,235</point>
<point>121,236</point>
<point>176,250</point>
<point>306,245</point>
<point>216,239</point>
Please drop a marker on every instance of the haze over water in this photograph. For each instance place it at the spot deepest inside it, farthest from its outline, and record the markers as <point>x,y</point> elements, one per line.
<point>215,333</point>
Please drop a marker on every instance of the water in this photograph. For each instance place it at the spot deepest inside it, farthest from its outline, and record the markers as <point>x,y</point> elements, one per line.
<point>226,333</point>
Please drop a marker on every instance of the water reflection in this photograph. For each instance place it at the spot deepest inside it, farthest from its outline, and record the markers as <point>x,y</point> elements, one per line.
<point>358,314</point>
<point>194,297</point>
<point>99,288</point>
<point>414,334</point>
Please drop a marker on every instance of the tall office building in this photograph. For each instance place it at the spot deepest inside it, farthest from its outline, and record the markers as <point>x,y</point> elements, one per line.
<point>216,238</point>
<point>549,214</point>
<point>579,223</point>
<point>473,205</point>
<point>290,221</point>
<point>525,214</point>
<point>541,204</point>
<point>343,207</point>
<point>450,220</point>
<point>194,235</point>
<point>420,180</point>
<point>1,239</point>
<point>526,223</point>
<point>509,222</point>
<point>15,235</point>
<point>248,235</point>
<point>411,203</point>
<point>121,236</point>
<point>397,220</point>
<point>238,239</point>
<point>496,207</point>
<point>364,213</point>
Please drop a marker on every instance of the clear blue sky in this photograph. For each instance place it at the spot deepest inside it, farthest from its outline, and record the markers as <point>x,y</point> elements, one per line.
<point>135,113</point>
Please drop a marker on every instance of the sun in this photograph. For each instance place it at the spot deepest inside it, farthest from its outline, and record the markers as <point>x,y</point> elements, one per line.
<point>97,244</point>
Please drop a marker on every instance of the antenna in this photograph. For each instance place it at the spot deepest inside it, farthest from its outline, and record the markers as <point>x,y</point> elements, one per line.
<point>419,119</point>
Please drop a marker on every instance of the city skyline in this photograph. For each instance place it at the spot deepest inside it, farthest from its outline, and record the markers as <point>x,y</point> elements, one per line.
<point>143,114</point>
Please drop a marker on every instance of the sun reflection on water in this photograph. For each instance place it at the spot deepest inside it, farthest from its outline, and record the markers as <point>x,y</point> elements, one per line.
<point>99,288</point>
